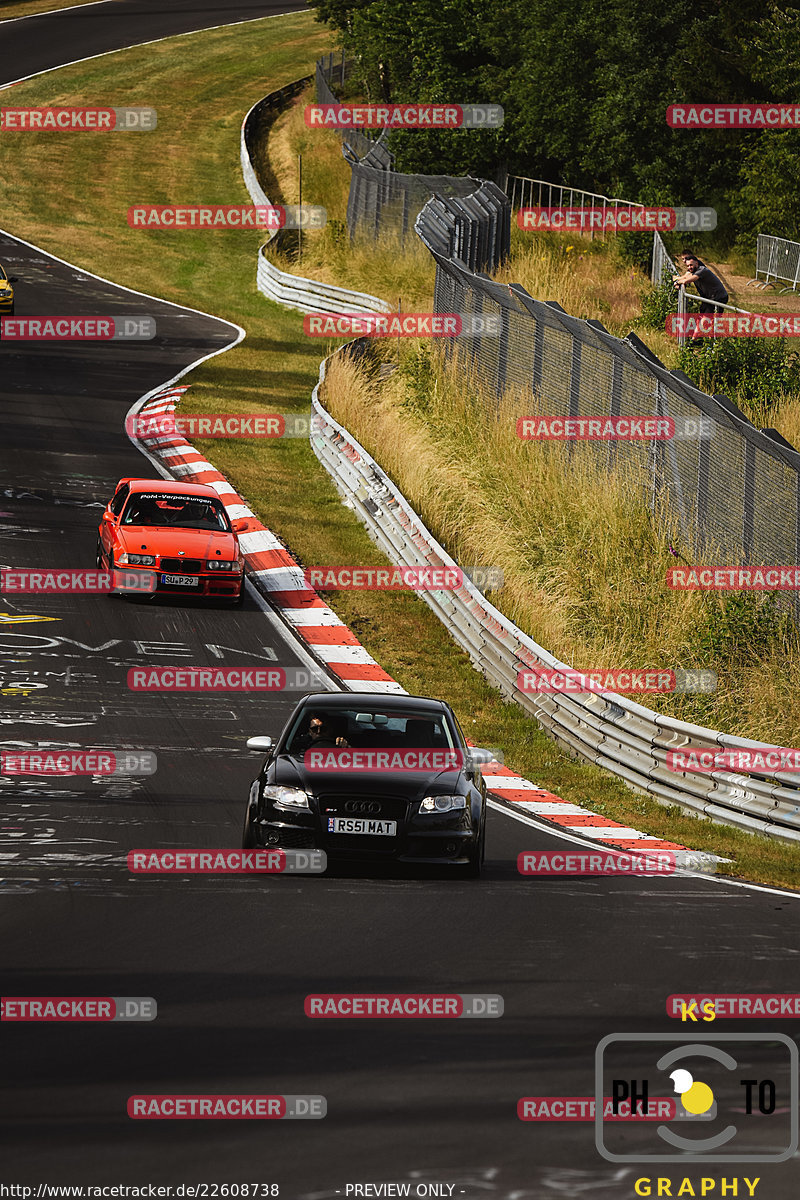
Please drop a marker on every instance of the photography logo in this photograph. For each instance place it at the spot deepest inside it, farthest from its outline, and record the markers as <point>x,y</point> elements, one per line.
<point>736,1097</point>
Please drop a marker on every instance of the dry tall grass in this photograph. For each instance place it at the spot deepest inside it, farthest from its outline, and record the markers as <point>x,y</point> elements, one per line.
<point>586,277</point>
<point>402,275</point>
<point>584,560</point>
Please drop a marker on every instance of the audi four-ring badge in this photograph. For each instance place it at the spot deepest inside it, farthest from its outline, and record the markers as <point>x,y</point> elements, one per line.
<point>369,777</point>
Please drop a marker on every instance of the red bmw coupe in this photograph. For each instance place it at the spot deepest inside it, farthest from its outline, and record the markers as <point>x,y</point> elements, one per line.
<point>179,531</point>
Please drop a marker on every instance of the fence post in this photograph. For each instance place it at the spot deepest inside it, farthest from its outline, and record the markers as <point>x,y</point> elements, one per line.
<point>615,405</point>
<point>703,467</point>
<point>748,501</point>
<point>502,357</point>
<point>575,378</point>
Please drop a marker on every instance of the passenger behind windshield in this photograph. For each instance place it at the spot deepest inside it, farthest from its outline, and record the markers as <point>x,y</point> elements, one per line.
<point>177,511</point>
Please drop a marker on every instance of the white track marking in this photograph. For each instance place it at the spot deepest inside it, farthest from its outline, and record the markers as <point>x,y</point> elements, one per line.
<point>135,46</point>
<point>50,12</point>
<point>562,835</point>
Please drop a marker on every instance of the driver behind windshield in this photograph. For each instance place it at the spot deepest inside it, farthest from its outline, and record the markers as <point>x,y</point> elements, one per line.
<point>318,733</point>
<point>194,514</point>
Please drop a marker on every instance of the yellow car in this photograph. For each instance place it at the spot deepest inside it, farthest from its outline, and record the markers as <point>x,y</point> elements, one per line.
<point>7,293</point>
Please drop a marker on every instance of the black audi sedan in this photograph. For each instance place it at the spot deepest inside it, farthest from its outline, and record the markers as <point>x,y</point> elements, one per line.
<point>366,776</point>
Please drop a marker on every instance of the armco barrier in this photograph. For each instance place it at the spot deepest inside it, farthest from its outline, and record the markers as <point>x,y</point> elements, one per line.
<point>608,730</point>
<point>307,295</point>
<point>256,120</point>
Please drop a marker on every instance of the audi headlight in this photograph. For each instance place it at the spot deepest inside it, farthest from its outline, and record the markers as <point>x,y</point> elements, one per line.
<point>220,564</point>
<point>140,560</point>
<point>442,804</point>
<point>285,797</point>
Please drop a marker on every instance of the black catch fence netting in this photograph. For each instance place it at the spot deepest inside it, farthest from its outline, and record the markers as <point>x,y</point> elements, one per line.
<point>732,491</point>
<point>383,201</point>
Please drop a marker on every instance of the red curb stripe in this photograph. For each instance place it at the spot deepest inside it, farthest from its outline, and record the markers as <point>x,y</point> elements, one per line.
<point>360,671</point>
<point>329,635</point>
<point>265,560</point>
<point>298,599</point>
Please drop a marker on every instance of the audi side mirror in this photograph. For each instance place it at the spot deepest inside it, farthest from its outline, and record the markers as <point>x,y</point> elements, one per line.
<point>259,744</point>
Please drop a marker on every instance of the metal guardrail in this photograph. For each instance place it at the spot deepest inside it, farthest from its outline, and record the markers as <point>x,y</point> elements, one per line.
<point>255,121</point>
<point>611,731</point>
<point>306,295</point>
<point>777,258</point>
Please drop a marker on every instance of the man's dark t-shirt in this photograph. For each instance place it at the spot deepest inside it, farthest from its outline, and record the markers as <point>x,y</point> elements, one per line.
<point>709,285</point>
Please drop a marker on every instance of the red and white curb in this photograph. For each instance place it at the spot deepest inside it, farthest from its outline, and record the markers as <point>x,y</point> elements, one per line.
<point>278,577</point>
<point>270,566</point>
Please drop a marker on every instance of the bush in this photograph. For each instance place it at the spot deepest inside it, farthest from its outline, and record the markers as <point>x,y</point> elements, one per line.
<point>748,370</point>
<point>658,304</point>
<point>738,627</point>
<point>636,249</point>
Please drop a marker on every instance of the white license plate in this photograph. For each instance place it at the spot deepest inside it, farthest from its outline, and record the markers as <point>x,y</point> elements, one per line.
<point>182,580</point>
<point>361,826</point>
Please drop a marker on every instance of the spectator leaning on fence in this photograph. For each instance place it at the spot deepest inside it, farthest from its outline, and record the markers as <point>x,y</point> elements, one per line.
<point>708,285</point>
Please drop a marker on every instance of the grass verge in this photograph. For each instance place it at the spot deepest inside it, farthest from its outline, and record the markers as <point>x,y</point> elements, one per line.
<point>204,83</point>
<point>30,8</point>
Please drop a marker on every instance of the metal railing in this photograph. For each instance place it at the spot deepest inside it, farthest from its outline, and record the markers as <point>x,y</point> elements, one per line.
<point>543,194</point>
<point>777,258</point>
<point>660,262</point>
<point>684,297</point>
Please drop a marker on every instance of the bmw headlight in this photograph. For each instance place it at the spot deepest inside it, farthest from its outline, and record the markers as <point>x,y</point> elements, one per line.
<point>220,564</point>
<point>141,560</point>
<point>442,804</point>
<point>285,797</point>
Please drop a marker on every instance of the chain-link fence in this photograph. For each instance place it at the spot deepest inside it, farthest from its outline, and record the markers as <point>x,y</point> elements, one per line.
<point>777,258</point>
<point>735,494</point>
<point>381,200</point>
